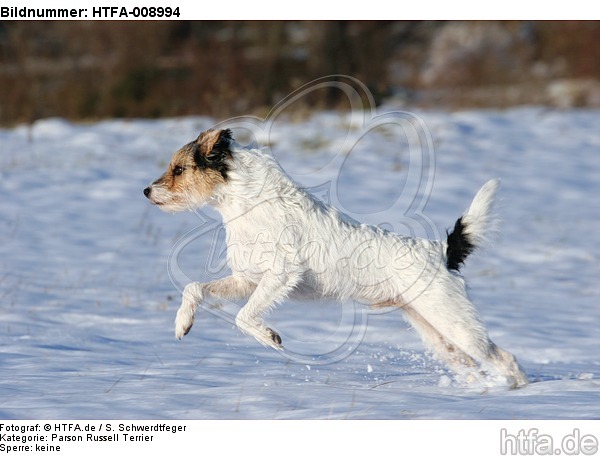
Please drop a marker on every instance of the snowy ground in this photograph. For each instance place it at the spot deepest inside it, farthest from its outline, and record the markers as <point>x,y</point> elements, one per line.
<point>87,304</point>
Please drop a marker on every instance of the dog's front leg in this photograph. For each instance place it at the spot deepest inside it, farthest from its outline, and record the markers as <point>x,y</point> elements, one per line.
<point>231,287</point>
<point>271,290</point>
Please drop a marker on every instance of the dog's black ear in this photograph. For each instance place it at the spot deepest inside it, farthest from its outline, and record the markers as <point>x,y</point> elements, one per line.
<point>224,138</point>
<point>214,142</point>
<point>212,150</point>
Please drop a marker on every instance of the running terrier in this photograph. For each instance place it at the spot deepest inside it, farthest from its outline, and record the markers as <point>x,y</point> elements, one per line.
<point>309,249</point>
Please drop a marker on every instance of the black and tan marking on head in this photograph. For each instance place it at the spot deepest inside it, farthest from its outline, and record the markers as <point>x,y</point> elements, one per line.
<point>194,173</point>
<point>212,150</point>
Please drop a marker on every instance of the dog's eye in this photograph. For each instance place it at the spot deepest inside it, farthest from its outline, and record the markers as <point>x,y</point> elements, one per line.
<point>177,171</point>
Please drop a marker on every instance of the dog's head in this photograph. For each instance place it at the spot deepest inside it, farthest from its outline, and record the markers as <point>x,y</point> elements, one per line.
<point>194,173</point>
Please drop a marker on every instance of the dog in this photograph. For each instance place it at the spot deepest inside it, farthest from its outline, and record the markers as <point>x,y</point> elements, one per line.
<point>282,243</point>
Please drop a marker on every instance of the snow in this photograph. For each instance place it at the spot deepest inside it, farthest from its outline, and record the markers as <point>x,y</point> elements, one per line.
<point>90,273</point>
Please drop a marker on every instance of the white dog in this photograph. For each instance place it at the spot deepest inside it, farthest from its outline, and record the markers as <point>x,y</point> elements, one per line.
<point>282,242</point>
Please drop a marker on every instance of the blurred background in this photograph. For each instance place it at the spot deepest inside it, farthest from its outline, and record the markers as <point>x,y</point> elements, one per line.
<point>84,70</point>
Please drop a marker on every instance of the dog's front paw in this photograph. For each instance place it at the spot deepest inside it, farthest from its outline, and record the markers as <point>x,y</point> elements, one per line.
<point>182,329</point>
<point>275,339</point>
<point>266,336</point>
<point>192,295</point>
<point>183,322</point>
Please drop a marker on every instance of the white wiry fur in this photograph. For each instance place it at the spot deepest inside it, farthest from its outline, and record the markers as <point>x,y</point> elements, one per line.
<point>282,242</point>
<point>479,218</point>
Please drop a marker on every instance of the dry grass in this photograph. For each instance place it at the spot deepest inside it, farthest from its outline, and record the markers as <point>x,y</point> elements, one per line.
<point>89,70</point>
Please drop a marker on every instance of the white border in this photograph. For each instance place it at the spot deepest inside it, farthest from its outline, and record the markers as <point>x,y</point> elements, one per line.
<point>314,438</point>
<point>320,10</point>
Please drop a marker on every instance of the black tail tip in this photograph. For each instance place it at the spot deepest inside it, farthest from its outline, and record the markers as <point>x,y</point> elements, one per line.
<point>459,246</point>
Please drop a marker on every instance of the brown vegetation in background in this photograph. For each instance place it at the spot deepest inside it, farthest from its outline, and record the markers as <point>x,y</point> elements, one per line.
<point>90,70</point>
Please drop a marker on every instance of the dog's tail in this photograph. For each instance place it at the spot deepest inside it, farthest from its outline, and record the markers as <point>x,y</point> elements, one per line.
<point>474,227</point>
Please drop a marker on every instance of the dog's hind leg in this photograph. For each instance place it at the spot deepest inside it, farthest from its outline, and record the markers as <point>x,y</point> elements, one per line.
<point>457,337</point>
<point>231,287</point>
<point>506,364</point>
<point>443,349</point>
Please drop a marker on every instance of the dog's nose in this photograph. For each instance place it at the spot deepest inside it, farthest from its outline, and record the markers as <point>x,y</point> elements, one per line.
<point>147,191</point>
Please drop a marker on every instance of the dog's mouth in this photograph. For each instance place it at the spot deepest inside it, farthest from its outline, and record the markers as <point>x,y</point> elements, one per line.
<point>148,194</point>
<point>165,202</point>
<point>156,203</point>
<point>153,202</point>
